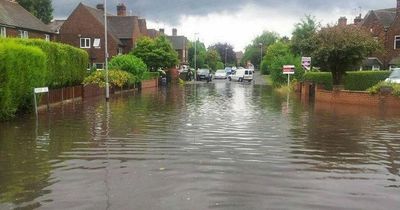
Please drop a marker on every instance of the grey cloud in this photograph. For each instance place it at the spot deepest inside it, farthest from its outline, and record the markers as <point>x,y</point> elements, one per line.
<point>169,11</point>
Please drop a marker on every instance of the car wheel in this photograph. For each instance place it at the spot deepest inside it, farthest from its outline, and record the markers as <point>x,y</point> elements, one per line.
<point>240,80</point>
<point>230,79</point>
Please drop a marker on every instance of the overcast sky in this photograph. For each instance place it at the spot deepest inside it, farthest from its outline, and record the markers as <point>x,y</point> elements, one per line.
<point>234,21</point>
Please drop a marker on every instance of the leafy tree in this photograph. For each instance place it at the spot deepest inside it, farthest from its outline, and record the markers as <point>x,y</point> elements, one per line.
<point>212,59</point>
<point>157,53</point>
<point>278,55</point>
<point>226,53</point>
<point>253,51</point>
<point>302,36</point>
<point>42,9</point>
<point>201,54</point>
<point>129,63</point>
<point>339,48</point>
<point>220,65</point>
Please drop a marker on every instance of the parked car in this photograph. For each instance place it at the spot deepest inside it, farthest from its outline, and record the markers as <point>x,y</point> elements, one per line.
<point>394,76</point>
<point>220,74</point>
<point>241,75</point>
<point>204,74</point>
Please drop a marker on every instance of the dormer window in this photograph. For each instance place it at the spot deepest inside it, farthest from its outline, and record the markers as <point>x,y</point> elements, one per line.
<point>85,42</point>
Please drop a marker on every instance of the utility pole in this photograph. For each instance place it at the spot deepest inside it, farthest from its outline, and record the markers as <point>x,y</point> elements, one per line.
<point>261,55</point>
<point>195,56</point>
<point>226,55</point>
<point>106,51</point>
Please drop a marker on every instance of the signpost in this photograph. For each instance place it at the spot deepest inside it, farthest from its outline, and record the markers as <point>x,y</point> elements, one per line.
<point>38,91</point>
<point>306,63</point>
<point>288,69</point>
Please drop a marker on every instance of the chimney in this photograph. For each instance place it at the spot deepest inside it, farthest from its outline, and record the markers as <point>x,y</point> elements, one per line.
<point>100,7</point>
<point>121,9</point>
<point>343,21</point>
<point>174,32</point>
<point>162,31</point>
<point>358,20</point>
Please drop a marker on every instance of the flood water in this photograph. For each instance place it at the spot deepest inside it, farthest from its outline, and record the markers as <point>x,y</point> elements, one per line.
<point>208,146</point>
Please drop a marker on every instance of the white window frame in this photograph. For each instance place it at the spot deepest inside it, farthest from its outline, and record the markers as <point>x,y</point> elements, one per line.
<point>102,64</point>
<point>23,34</point>
<point>396,38</point>
<point>3,32</point>
<point>47,37</point>
<point>120,51</point>
<point>97,43</point>
<point>87,43</point>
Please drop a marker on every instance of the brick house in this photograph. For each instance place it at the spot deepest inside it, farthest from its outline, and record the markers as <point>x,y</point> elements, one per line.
<point>84,29</point>
<point>15,21</point>
<point>384,25</point>
<point>180,45</point>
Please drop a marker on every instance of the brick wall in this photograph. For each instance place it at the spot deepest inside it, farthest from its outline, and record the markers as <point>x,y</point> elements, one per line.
<point>14,32</point>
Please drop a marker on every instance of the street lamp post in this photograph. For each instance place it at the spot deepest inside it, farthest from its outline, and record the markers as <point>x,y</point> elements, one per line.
<point>195,56</point>
<point>261,55</point>
<point>106,51</point>
<point>226,55</point>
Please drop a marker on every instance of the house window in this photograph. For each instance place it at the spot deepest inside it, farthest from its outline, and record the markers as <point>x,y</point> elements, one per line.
<point>396,42</point>
<point>99,65</point>
<point>23,34</point>
<point>96,43</point>
<point>85,42</point>
<point>47,37</point>
<point>3,32</point>
<point>120,51</point>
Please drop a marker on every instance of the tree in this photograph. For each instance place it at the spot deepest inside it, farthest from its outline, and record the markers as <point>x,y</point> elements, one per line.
<point>278,55</point>
<point>201,54</point>
<point>212,59</point>
<point>339,48</point>
<point>42,9</point>
<point>225,51</point>
<point>303,34</point>
<point>253,51</point>
<point>157,53</point>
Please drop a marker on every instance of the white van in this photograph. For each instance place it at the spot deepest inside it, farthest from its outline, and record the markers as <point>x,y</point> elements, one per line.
<point>242,75</point>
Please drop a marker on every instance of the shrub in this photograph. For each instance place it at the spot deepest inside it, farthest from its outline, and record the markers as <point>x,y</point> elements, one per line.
<point>117,78</point>
<point>65,65</point>
<point>21,70</point>
<point>323,78</point>
<point>129,63</point>
<point>377,88</point>
<point>151,75</point>
<point>362,80</point>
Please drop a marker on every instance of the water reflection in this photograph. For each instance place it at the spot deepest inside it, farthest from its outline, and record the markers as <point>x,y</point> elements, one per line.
<point>220,145</point>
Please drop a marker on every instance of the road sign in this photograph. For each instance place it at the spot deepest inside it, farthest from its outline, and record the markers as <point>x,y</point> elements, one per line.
<point>306,63</point>
<point>42,90</point>
<point>288,69</point>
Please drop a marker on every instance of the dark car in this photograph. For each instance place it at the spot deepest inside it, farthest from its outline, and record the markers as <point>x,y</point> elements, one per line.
<point>204,74</point>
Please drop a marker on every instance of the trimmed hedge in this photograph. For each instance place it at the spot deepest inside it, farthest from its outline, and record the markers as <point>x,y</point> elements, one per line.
<point>362,80</point>
<point>151,75</point>
<point>65,65</point>
<point>21,69</point>
<point>356,80</point>
<point>129,63</point>
<point>117,78</point>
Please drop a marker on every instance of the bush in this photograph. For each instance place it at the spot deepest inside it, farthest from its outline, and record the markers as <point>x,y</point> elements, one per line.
<point>264,68</point>
<point>323,78</point>
<point>362,80</point>
<point>117,78</point>
<point>129,63</point>
<point>151,75</point>
<point>357,81</point>
<point>377,88</point>
<point>21,70</point>
<point>65,65</point>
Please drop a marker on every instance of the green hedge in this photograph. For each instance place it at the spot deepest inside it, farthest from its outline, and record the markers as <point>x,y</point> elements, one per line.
<point>362,80</point>
<point>151,75</point>
<point>65,65</point>
<point>129,63</point>
<point>356,80</point>
<point>21,69</point>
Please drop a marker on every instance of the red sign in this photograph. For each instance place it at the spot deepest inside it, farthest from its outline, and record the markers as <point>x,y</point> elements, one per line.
<point>288,69</point>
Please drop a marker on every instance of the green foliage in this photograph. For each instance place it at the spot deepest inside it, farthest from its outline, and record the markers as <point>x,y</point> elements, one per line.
<point>278,55</point>
<point>357,81</point>
<point>220,65</point>
<point>323,78</point>
<point>378,87</point>
<point>21,70</point>
<point>66,65</point>
<point>339,48</point>
<point>117,78</point>
<point>151,75</point>
<point>129,63</point>
<point>362,80</point>
<point>201,53</point>
<point>226,53</point>
<point>156,53</point>
<point>212,59</point>
<point>42,9</point>
<point>302,36</point>
<point>253,51</point>
<point>264,67</point>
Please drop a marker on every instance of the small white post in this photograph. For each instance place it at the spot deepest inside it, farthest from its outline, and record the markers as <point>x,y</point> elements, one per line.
<point>34,98</point>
